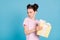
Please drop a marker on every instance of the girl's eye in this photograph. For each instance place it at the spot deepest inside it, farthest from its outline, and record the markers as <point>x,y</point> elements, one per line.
<point>30,12</point>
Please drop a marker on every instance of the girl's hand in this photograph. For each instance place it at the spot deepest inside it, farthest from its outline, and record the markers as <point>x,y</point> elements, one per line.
<point>39,28</point>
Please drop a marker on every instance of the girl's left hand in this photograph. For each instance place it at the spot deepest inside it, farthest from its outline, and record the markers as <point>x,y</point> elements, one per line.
<point>38,28</point>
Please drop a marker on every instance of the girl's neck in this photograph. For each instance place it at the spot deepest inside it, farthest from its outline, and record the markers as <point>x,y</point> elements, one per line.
<point>33,18</point>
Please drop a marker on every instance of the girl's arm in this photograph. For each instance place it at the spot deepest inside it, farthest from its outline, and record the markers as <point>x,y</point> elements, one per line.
<point>27,31</point>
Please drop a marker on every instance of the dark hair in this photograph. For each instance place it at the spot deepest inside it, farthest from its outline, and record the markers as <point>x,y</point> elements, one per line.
<point>34,6</point>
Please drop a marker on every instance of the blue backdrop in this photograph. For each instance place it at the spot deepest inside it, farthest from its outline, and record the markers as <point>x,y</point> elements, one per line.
<point>13,12</point>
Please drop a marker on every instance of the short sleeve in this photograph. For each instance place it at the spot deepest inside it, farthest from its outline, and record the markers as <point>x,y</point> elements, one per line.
<point>25,23</point>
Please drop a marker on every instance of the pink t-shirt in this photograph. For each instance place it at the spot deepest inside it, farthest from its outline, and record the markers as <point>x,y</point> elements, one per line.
<point>31,24</point>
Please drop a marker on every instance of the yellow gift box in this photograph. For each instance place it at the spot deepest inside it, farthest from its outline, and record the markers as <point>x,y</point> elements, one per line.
<point>46,28</point>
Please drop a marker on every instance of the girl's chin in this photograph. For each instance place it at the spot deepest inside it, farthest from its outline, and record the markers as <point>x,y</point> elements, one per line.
<point>30,17</point>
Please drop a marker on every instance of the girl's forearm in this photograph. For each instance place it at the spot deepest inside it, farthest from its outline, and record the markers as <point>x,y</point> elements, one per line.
<point>30,31</point>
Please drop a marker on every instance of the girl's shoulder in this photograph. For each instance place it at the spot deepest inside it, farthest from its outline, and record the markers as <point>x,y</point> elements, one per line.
<point>37,20</point>
<point>26,18</point>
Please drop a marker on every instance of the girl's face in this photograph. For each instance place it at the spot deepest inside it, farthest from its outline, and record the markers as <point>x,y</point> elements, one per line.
<point>31,12</point>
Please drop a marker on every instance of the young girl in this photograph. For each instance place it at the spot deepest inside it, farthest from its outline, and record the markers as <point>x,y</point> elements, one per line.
<point>30,23</point>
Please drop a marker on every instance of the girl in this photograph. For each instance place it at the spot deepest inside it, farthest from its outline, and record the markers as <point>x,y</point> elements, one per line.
<point>30,23</point>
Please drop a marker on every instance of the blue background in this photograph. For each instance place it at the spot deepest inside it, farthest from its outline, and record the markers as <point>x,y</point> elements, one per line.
<point>13,12</point>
